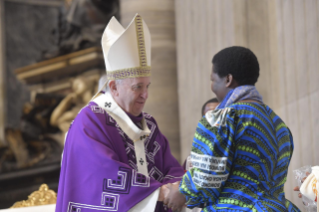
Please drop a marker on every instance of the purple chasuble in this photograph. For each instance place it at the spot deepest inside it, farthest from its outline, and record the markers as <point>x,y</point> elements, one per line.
<point>136,119</point>
<point>98,170</point>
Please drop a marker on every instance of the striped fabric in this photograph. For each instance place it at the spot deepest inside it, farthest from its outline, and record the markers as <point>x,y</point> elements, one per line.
<point>240,158</point>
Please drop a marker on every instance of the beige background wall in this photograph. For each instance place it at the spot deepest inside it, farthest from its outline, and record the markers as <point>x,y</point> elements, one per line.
<point>297,69</point>
<point>284,35</point>
<point>202,28</point>
<point>2,72</point>
<point>162,102</point>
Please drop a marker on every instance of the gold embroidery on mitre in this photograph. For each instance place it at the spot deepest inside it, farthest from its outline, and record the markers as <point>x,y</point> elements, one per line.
<point>43,196</point>
<point>144,71</point>
<point>140,40</point>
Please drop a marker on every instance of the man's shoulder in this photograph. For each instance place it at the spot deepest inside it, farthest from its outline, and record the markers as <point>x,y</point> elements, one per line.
<point>93,117</point>
<point>149,117</point>
<point>92,112</point>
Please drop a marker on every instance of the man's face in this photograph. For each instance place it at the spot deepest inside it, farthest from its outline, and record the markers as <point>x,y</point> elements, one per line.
<point>218,85</point>
<point>210,106</point>
<point>132,94</point>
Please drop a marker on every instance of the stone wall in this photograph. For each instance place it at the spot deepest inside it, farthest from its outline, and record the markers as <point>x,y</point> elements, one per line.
<point>28,30</point>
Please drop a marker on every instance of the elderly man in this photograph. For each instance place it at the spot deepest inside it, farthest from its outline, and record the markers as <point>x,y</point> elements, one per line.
<point>115,157</point>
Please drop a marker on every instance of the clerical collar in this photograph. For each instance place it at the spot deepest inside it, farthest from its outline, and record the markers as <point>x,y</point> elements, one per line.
<point>136,119</point>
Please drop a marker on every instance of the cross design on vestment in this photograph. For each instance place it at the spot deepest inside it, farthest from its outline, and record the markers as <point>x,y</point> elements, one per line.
<point>108,104</point>
<point>141,161</point>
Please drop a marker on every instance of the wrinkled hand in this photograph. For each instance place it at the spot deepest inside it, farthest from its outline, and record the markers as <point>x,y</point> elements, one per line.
<point>297,187</point>
<point>163,193</point>
<point>174,199</point>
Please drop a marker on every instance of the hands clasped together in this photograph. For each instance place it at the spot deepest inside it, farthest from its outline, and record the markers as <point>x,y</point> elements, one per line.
<point>171,197</point>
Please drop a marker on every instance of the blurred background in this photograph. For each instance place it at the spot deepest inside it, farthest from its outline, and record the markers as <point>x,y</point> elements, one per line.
<point>51,61</point>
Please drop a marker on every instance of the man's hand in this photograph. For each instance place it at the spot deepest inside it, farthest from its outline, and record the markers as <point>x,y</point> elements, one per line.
<point>174,199</point>
<point>297,189</point>
<point>163,193</point>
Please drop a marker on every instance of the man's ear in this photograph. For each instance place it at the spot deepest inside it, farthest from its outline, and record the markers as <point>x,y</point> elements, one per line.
<point>113,88</point>
<point>230,81</point>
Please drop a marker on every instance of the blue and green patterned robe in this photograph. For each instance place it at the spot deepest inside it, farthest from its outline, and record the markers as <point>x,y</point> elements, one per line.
<point>240,157</point>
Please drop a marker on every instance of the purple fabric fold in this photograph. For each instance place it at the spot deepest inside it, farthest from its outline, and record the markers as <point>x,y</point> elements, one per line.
<point>136,119</point>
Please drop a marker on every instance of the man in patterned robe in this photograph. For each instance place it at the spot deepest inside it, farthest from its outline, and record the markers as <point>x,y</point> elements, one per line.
<point>241,150</point>
<point>115,157</point>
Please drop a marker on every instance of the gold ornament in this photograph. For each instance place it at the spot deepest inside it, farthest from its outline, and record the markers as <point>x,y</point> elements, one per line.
<point>43,196</point>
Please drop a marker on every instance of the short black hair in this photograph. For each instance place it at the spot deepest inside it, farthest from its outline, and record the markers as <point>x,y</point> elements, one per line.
<point>213,100</point>
<point>238,61</point>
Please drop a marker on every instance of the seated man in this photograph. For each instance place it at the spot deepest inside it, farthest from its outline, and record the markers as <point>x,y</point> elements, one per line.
<point>115,157</point>
<point>209,105</point>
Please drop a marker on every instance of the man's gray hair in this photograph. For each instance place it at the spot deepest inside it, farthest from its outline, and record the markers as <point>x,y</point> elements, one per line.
<point>119,81</point>
<point>103,80</point>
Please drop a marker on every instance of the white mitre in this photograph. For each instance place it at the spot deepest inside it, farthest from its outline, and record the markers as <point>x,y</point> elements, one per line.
<point>127,52</point>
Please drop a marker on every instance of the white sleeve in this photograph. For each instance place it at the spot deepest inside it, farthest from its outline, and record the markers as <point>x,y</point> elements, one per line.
<point>148,204</point>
